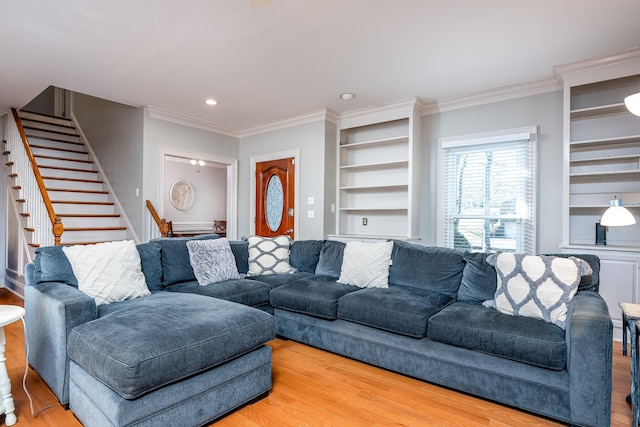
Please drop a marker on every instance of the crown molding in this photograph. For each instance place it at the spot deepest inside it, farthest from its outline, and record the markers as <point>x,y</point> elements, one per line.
<point>493,95</point>
<point>181,119</point>
<point>627,58</point>
<point>301,119</point>
<point>391,111</point>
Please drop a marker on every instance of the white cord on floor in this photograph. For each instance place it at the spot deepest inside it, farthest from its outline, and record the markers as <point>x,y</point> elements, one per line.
<point>26,371</point>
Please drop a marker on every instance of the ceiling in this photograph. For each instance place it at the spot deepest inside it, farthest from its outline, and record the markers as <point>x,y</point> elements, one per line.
<point>265,64</point>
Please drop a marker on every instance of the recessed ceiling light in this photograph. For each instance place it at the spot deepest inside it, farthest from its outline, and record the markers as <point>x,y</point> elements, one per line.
<point>347,96</point>
<point>211,101</point>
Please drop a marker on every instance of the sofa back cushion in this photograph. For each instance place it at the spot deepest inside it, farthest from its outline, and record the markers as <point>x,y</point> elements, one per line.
<point>479,278</point>
<point>52,265</point>
<point>151,264</point>
<point>305,254</point>
<point>330,260</point>
<point>176,266</point>
<point>240,249</point>
<point>427,267</point>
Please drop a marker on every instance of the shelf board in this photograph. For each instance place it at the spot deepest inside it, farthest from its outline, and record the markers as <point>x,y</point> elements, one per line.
<point>605,159</point>
<point>600,110</point>
<point>377,165</point>
<point>604,141</point>
<point>592,247</point>
<point>382,209</point>
<point>376,142</point>
<point>588,174</point>
<point>376,187</point>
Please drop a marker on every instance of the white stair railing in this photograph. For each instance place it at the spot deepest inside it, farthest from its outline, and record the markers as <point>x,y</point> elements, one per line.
<point>40,218</point>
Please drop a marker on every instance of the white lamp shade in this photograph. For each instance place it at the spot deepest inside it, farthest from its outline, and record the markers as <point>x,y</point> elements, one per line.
<point>633,103</point>
<point>617,215</point>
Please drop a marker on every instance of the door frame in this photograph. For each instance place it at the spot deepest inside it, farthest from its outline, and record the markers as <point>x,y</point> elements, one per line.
<point>295,153</point>
<point>232,184</point>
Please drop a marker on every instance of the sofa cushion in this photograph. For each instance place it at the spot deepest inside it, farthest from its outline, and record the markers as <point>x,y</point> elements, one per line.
<point>536,286</point>
<point>176,266</point>
<point>400,309</point>
<point>242,291</point>
<point>316,296</point>
<point>472,326</point>
<point>212,261</point>
<point>52,265</point>
<point>275,280</point>
<point>479,278</point>
<point>366,265</point>
<point>108,272</point>
<point>240,249</point>
<point>176,336</point>
<point>330,260</point>
<point>428,267</point>
<point>305,254</point>
<point>151,262</point>
<point>269,255</point>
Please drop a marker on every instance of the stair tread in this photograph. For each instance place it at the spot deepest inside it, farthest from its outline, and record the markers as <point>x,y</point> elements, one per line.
<point>88,215</point>
<point>66,150</point>
<point>71,190</point>
<point>66,159</point>
<point>47,130</point>
<point>33,113</point>
<point>69,124</point>
<point>67,169</point>
<point>47,138</point>
<point>59,178</point>
<point>82,202</point>
<point>95,228</point>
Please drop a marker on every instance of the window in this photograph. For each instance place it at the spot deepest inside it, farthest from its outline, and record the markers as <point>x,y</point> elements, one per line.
<point>487,199</point>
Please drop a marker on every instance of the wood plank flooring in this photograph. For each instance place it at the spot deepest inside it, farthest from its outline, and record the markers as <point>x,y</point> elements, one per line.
<point>312,387</point>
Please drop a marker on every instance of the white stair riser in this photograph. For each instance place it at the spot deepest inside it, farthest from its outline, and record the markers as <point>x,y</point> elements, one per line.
<point>49,135</point>
<point>64,163</point>
<point>56,144</point>
<point>75,222</point>
<point>68,174</point>
<point>50,127</point>
<point>72,185</point>
<point>57,153</point>
<point>61,208</point>
<point>26,115</point>
<point>73,196</point>
<point>93,236</point>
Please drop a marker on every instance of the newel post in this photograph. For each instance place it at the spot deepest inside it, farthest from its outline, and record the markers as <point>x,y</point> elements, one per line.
<point>57,230</point>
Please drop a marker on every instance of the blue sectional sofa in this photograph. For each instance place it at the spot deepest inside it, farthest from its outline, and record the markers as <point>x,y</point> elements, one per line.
<point>429,323</point>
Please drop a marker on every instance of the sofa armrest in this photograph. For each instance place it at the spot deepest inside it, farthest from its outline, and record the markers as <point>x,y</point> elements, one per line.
<point>52,310</point>
<point>589,359</point>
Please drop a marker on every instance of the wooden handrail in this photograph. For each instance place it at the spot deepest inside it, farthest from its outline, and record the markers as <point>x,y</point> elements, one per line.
<point>163,224</point>
<point>56,222</point>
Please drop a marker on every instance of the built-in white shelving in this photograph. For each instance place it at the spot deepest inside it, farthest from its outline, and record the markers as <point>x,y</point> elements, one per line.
<point>377,175</point>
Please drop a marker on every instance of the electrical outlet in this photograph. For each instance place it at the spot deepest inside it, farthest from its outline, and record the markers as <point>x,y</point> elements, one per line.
<point>365,221</point>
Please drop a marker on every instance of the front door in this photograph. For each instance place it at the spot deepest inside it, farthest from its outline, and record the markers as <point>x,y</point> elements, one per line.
<point>275,185</point>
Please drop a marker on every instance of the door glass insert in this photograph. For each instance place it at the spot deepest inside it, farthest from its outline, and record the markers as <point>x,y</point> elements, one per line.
<point>274,202</point>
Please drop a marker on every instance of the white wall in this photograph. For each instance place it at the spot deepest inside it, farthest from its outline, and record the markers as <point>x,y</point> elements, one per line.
<point>210,188</point>
<point>114,132</point>
<point>164,134</point>
<point>309,138</point>
<point>544,110</point>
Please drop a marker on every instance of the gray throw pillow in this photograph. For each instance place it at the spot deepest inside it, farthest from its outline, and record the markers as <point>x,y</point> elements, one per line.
<point>212,261</point>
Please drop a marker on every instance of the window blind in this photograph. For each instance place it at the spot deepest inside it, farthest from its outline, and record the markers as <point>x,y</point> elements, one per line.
<point>488,197</point>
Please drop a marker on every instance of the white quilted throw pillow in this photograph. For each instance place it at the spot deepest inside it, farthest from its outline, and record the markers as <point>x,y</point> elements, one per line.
<point>536,286</point>
<point>108,272</point>
<point>366,265</point>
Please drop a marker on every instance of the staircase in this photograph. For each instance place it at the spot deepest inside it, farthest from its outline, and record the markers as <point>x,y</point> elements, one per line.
<point>78,194</point>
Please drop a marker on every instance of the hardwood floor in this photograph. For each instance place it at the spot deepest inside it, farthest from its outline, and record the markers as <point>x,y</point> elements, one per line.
<point>312,387</point>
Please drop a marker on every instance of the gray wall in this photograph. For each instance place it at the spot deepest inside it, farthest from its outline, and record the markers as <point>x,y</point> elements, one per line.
<point>544,110</point>
<point>115,134</point>
<point>310,139</point>
<point>160,133</point>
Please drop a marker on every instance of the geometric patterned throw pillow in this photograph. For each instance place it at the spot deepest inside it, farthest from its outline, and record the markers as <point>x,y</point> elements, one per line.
<point>212,261</point>
<point>536,286</point>
<point>269,255</point>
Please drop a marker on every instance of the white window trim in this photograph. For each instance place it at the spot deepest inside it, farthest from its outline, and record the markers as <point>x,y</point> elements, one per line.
<point>521,133</point>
